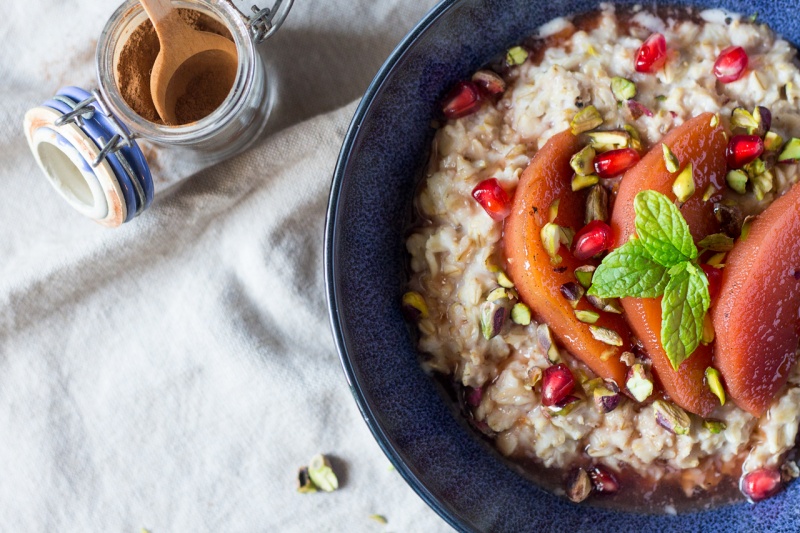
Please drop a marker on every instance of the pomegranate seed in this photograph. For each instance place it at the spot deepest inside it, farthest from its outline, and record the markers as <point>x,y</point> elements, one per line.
<point>595,237</point>
<point>637,109</point>
<point>493,198</point>
<point>744,149</point>
<point>557,383</point>
<point>766,119</point>
<point>615,162</point>
<point>603,480</point>
<point>652,55</point>
<point>464,99</point>
<point>731,64</point>
<point>474,396</point>
<point>761,484</point>
<point>714,276</point>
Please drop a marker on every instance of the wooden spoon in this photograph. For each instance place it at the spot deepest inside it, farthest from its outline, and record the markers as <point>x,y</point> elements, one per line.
<point>185,55</point>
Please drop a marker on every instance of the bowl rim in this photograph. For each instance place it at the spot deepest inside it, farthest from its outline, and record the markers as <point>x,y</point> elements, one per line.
<point>446,512</point>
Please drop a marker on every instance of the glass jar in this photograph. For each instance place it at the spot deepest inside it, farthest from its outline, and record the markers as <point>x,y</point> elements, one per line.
<point>87,147</point>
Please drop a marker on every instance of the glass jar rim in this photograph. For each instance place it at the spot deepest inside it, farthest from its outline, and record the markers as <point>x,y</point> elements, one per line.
<point>108,44</point>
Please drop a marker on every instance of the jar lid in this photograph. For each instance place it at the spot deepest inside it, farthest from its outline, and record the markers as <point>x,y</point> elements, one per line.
<point>89,157</point>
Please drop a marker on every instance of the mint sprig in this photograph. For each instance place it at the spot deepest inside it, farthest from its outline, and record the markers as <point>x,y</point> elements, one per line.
<point>661,261</point>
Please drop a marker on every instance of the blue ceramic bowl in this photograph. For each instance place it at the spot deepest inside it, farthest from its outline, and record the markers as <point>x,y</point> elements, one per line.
<point>457,474</point>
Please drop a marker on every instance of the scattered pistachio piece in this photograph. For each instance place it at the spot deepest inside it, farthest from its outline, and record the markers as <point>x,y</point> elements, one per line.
<point>791,152</point>
<point>755,167</point>
<point>789,471</point>
<point>379,518</point>
<point>737,180</point>
<point>596,204</point>
<point>587,317</point>
<point>708,330</point>
<point>661,98</point>
<point>683,187</point>
<point>606,335</point>
<point>609,305</point>
<point>730,219</point>
<point>581,182</point>
<point>304,483</point>
<point>584,275</point>
<point>623,89</point>
<point>497,294</point>
<point>762,184</point>
<point>521,314</point>
<point>717,242</point>
<point>741,118</point>
<point>321,473</point>
<point>671,417</point>
<point>572,292</point>
<point>603,141</point>
<point>534,376</point>
<point>579,485</point>
<point>606,396</point>
<point>504,281</point>
<point>746,226</point>
<point>493,317</point>
<point>715,120</point>
<point>715,384</point>
<point>628,358</point>
<point>583,162</point>
<point>516,56</point>
<point>710,191</point>
<point>552,211</point>
<point>763,119</point>
<point>772,142</point>
<point>715,426</point>
<point>414,306</point>
<point>551,240</point>
<point>717,260</point>
<point>639,382</point>
<point>670,159</point>
<point>547,344</point>
<point>587,119</point>
<point>636,141</point>
<point>566,407</point>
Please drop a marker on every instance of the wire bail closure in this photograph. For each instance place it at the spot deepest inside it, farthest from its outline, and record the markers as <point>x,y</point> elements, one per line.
<point>264,22</point>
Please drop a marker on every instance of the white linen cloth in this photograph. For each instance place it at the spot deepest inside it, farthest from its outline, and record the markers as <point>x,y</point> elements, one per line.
<point>174,373</point>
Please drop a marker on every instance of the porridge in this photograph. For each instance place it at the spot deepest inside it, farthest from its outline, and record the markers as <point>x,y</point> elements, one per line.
<point>604,261</point>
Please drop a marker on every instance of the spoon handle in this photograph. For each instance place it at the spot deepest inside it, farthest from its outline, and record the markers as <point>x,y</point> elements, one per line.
<point>157,10</point>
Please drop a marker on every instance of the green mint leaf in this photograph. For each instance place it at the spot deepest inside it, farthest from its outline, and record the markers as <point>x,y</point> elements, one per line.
<point>683,308</point>
<point>662,229</point>
<point>629,271</point>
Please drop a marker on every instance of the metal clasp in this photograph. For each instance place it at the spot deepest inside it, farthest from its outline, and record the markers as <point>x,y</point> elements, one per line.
<point>264,22</point>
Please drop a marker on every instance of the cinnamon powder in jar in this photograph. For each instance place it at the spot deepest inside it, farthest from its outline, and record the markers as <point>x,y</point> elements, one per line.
<point>206,92</point>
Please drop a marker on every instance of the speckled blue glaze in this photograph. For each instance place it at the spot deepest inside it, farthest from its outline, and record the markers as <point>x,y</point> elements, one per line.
<point>456,473</point>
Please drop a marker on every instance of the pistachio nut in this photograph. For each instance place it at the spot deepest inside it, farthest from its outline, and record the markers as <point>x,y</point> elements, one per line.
<point>791,152</point>
<point>414,306</point>
<point>715,426</point>
<point>587,119</point>
<point>730,219</point>
<point>581,182</point>
<point>772,142</point>
<point>587,317</point>
<point>606,396</point>
<point>579,485</point>
<point>628,358</point>
<point>715,384</point>
<point>708,330</point>
<point>605,335</point>
<point>603,141</point>
<point>717,242</point>
<point>521,314</point>
<point>623,89</point>
<point>671,417</point>
<point>516,55</point>
<point>737,180</point>
<point>552,211</point>
<point>755,168</point>
<point>493,317</point>
<point>304,483</point>
<point>639,382</point>
<point>763,119</point>
<point>742,118</point>
<point>710,191</point>
<point>379,518</point>
<point>762,184</point>
<point>714,120</point>
<point>499,293</point>
<point>572,292</point>
<point>584,275</point>
<point>596,204</point>
<point>683,186</point>
<point>504,281</point>
<point>670,159</point>
<point>547,344</point>
<point>748,220</point>
<point>582,162</point>
<point>321,473</point>
<point>609,305</point>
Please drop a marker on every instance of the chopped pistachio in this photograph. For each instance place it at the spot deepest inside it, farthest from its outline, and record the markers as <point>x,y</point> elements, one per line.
<point>737,180</point>
<point>521,314</point>
<point>581,182</point>
<point>379,518</point>
<point>590,384</point>
<point>762,184</point>
<point>606,396</point>
<point>304,483</point>
<point>628,358</point>
<point>587,119</point>
<point>789,471</point>
<point>717,242</point>
<point>632,132</point>
<point>661,98</point>
<point>772,142</point>
<point>504,281</point>
<point>572,292</point>
<point>606,335</point>
<point>708,330</point>
<point>551,240</point>
<point>493,317</point>
<point>755,167</point>
<point>603,141</point>
<point>670,159</point>
<point>715,384</point>
<point>499,293</point>
<point>565,409</point>
<point>490,266</point>
<point>579,486</point>
<point>516,56</point>
<point>584,275</point>
<point>791,152</point>
<point>746,227</point>
<point>710,191</point>
<point>587,317</point>
<point>717,260</point>
<point>609,305</point>
<point>547,344</point>
<point>596,204</point>
<point>730,218</point>
<point>414,305</point>
<point>623,89</point>
<point>552,211</point>
<point>582,162</point>
<point>715,426</point>
<point>639,382</point>
<point>715,120</point>
<point>591,51</point>
<point>534,376</point>
<point>741,118</point>
<point>671,417</point>
<point>321,473</point>
<point>683,187</point>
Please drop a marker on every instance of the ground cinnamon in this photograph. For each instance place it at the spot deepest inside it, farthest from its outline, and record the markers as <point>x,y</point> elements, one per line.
<point>136,61</point>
